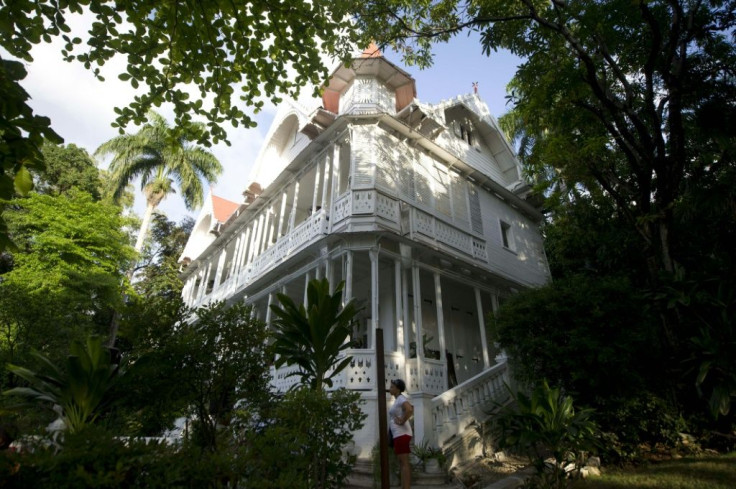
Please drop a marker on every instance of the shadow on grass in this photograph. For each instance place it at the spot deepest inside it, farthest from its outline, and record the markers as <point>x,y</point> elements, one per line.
<point>712,472</point>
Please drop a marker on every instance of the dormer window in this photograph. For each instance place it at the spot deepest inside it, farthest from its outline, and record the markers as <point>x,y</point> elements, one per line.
<point>465,131</point>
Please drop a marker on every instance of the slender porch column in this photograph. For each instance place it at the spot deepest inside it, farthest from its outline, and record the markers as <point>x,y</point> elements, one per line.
<point>292,217</point>
<point>254,239</point>
<point>418,322</point>
<point>307,278</point>
<point>398,315</point>
<point>318,171</point>
<point>236,255</point>
<point>264,242</point>
<point>481,324</point>
<point>441,325</point>
<point>205,280</point>
<point>407,326</point>
<point>186,291</point>
<point>244,249</point>
<point>282,214</point>
<point>326,177</point>
<point>373,254</point>
<point>333,190</point>
<point>271,227</point>
<point>268,309</point>
<point>328,273</point>
<point>220,266</point>
<point>348,291</point>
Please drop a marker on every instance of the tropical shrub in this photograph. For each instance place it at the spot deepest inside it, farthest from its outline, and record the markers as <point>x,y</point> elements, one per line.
<point>542,425</point>
<point>592,336</point>
<point>95,459</point>
<point>633,426</point>
<point>302,443</point>
<point>313,337</point>
<point>77,391</point>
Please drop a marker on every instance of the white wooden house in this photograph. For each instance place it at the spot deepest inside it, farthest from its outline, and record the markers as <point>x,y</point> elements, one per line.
<point>419,208</point>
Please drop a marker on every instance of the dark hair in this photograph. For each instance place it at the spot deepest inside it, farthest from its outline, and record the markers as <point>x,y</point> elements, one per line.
<point>399,384</point>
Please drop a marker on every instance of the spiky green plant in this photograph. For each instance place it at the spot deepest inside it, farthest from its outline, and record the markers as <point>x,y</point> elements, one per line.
<point>76,392</point>
<point>314,336</point>
<point>546,424</point>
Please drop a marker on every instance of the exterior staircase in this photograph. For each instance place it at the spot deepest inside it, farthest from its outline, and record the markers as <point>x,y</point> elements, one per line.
<point>454,415</point>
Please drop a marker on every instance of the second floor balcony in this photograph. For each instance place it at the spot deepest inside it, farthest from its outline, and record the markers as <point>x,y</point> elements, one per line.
<point>352,212</point>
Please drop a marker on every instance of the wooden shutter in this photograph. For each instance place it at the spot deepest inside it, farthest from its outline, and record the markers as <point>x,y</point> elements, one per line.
<point>476,221</point>
<point>363,163</point>
<point>459,193</point>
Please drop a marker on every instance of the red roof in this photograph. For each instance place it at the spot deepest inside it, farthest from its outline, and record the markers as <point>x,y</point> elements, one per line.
<point>223,208</point>
<point>371,51</point>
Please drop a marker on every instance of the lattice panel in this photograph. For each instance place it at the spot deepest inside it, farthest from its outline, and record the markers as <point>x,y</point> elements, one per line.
<point>393,367</point>
<point>360,373</point>
<point>343,205</point>
<point>453,237</point>
<point>424,223</point>
<point>282,379</point>
<point>479,250</point>
<point>364,202</point>
<point>387,208</point>
<point>433,378</point>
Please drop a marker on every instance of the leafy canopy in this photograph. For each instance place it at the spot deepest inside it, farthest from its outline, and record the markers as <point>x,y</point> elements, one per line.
<point>614,96</point>
<point>67,167</point>
<point>21,135</point>
<point>232,53</point>
<point>67,275</point>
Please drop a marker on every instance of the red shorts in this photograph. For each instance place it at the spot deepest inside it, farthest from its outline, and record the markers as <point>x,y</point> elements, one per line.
<point>401,444</point>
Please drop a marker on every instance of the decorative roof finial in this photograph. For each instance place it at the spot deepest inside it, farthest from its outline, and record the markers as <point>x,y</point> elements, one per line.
<point>475,88</point>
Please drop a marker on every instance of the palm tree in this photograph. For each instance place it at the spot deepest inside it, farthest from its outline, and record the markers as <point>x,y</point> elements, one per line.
<point>313,337</point>
<point>161,158</point>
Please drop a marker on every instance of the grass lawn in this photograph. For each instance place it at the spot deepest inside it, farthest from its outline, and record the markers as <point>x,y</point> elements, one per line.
<point>709,472</point>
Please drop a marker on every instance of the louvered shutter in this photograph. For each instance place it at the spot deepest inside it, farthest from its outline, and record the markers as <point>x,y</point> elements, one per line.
<point>475,218</point>
<point>422,179</point>
<point>441,190</point>
<point>405,162</point>
<point>387,166</point>
<point>363,164</point>
<point>458,190</point>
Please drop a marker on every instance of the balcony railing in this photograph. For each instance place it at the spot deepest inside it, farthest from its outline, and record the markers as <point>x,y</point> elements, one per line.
<point>425,227</point>
<point>359,375</point>
<point>387,210</point>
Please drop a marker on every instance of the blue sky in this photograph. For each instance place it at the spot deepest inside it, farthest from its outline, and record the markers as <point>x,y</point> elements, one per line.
<point>81,108</point>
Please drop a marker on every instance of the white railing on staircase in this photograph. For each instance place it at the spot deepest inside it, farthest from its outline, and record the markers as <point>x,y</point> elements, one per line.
<point>456,409</point>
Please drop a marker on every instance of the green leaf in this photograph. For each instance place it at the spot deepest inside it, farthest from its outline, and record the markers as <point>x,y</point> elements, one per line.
<point>23,181</point>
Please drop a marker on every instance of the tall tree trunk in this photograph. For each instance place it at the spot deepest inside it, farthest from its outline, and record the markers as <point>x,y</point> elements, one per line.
<point>143,231</point>
<point>153,199</point>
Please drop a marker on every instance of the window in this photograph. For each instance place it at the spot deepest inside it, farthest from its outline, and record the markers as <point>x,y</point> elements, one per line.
<point>466,133</point>
<point>464,130</point>
<point>506,235</point>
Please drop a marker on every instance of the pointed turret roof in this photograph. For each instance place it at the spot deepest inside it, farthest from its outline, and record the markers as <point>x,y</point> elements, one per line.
<point>222,209</point>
